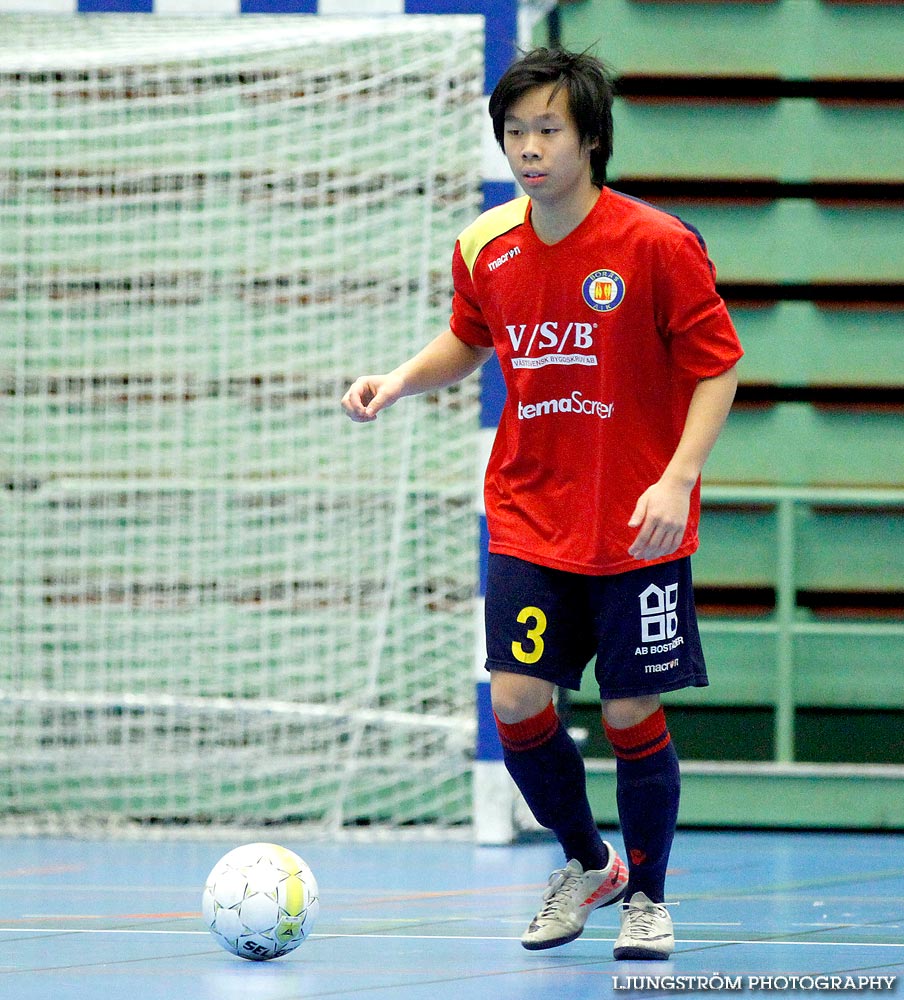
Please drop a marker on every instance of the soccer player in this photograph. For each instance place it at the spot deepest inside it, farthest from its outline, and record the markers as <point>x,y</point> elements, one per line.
<point>619,361</point>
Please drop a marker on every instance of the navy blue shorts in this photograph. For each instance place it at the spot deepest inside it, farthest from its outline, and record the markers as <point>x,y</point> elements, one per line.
<point>640,625</point>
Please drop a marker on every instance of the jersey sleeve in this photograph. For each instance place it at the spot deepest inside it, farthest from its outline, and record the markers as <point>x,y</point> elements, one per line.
<point>691,314</point>
<point>467,322</point>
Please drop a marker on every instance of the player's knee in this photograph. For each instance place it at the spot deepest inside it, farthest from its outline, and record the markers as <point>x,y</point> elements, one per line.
<point>517,697</point>
<point>620,713</point>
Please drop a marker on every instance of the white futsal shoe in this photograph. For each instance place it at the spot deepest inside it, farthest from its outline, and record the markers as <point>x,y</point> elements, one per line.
<point>646,930</point>
<point>571,896</point>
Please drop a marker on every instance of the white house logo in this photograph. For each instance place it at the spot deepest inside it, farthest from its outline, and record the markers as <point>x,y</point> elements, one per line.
<point>659,627</point>
<point>603,290</point>
<point>658,617</point>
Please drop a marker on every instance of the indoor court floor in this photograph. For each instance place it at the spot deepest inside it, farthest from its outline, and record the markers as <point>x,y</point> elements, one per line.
<point>416,920</point>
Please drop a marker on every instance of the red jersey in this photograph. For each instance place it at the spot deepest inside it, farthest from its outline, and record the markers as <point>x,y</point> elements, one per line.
<point>602,338</point>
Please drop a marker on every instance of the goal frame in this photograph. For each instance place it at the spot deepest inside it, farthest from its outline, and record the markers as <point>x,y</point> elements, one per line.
<point>495,799</point>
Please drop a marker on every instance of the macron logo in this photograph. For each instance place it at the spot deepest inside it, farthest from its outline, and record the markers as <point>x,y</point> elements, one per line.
<point>499,261</point>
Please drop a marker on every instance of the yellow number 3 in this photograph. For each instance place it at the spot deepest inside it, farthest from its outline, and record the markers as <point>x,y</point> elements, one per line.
<point>535,635</point>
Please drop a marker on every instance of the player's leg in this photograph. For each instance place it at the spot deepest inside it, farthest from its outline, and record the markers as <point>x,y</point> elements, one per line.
<point>534,644</point>
<point>649,643</point>
<point>517,697</point>
<point>548,769</point>
<point>546,764</point>
<point>648,785</point>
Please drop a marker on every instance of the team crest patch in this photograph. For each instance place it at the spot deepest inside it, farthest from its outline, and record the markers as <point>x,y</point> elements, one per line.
<point>603,290</point>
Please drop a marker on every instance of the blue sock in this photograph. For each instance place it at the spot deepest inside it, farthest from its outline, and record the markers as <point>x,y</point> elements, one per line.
<point>648,787</point>
<point>548,769</point>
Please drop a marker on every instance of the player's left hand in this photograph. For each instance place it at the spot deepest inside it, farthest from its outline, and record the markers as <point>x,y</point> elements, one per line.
<point>661,515</point>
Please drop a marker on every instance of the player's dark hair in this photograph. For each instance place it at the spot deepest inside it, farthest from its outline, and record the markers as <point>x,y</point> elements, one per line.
<point>588,84</point>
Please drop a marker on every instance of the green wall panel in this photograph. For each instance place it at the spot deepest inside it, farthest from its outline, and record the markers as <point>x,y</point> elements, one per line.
<point>752,795</point>
<point>793,38</point>
<point>799,343</point>
<point>789,140</point>
<point>799,444</point>
<point>798,240</point>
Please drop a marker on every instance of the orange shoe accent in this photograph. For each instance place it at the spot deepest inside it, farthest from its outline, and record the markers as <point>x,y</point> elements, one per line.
<point>618,879</point>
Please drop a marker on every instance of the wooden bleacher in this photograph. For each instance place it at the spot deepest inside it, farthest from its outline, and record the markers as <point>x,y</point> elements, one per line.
<point>777,129</point>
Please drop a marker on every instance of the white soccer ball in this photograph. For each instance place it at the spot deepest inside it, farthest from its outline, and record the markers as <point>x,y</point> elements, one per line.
<point>260,901</point>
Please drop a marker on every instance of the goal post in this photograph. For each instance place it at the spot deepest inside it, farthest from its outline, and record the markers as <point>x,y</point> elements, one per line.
<point>220,601</point>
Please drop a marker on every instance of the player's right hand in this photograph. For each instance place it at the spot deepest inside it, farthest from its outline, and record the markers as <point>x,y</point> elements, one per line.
<point>369,394</point>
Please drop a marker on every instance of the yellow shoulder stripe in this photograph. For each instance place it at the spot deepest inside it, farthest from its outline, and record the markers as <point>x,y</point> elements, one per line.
<point>494,222</point>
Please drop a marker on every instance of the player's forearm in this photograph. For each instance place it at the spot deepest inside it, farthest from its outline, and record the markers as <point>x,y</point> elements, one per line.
<point>444,361</point>
<point>706,416</point>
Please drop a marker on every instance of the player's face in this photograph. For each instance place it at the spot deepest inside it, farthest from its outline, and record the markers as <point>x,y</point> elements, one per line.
<point>544,148</point>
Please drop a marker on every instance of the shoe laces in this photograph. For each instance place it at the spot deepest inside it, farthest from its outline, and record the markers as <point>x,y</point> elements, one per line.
<point>642,917</point>
<point>555,896</point>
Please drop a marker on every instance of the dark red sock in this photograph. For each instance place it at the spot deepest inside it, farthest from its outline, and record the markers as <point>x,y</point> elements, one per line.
<point>548,769</point>
<point>648,787</point>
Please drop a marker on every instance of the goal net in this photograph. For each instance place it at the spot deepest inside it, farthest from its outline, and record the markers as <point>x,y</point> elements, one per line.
<point>221,602</point>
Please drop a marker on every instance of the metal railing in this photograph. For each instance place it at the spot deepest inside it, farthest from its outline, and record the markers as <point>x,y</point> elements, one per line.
<point>785,625</point>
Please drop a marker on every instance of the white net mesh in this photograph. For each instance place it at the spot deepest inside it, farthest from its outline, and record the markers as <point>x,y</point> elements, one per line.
<point>220,601</point>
